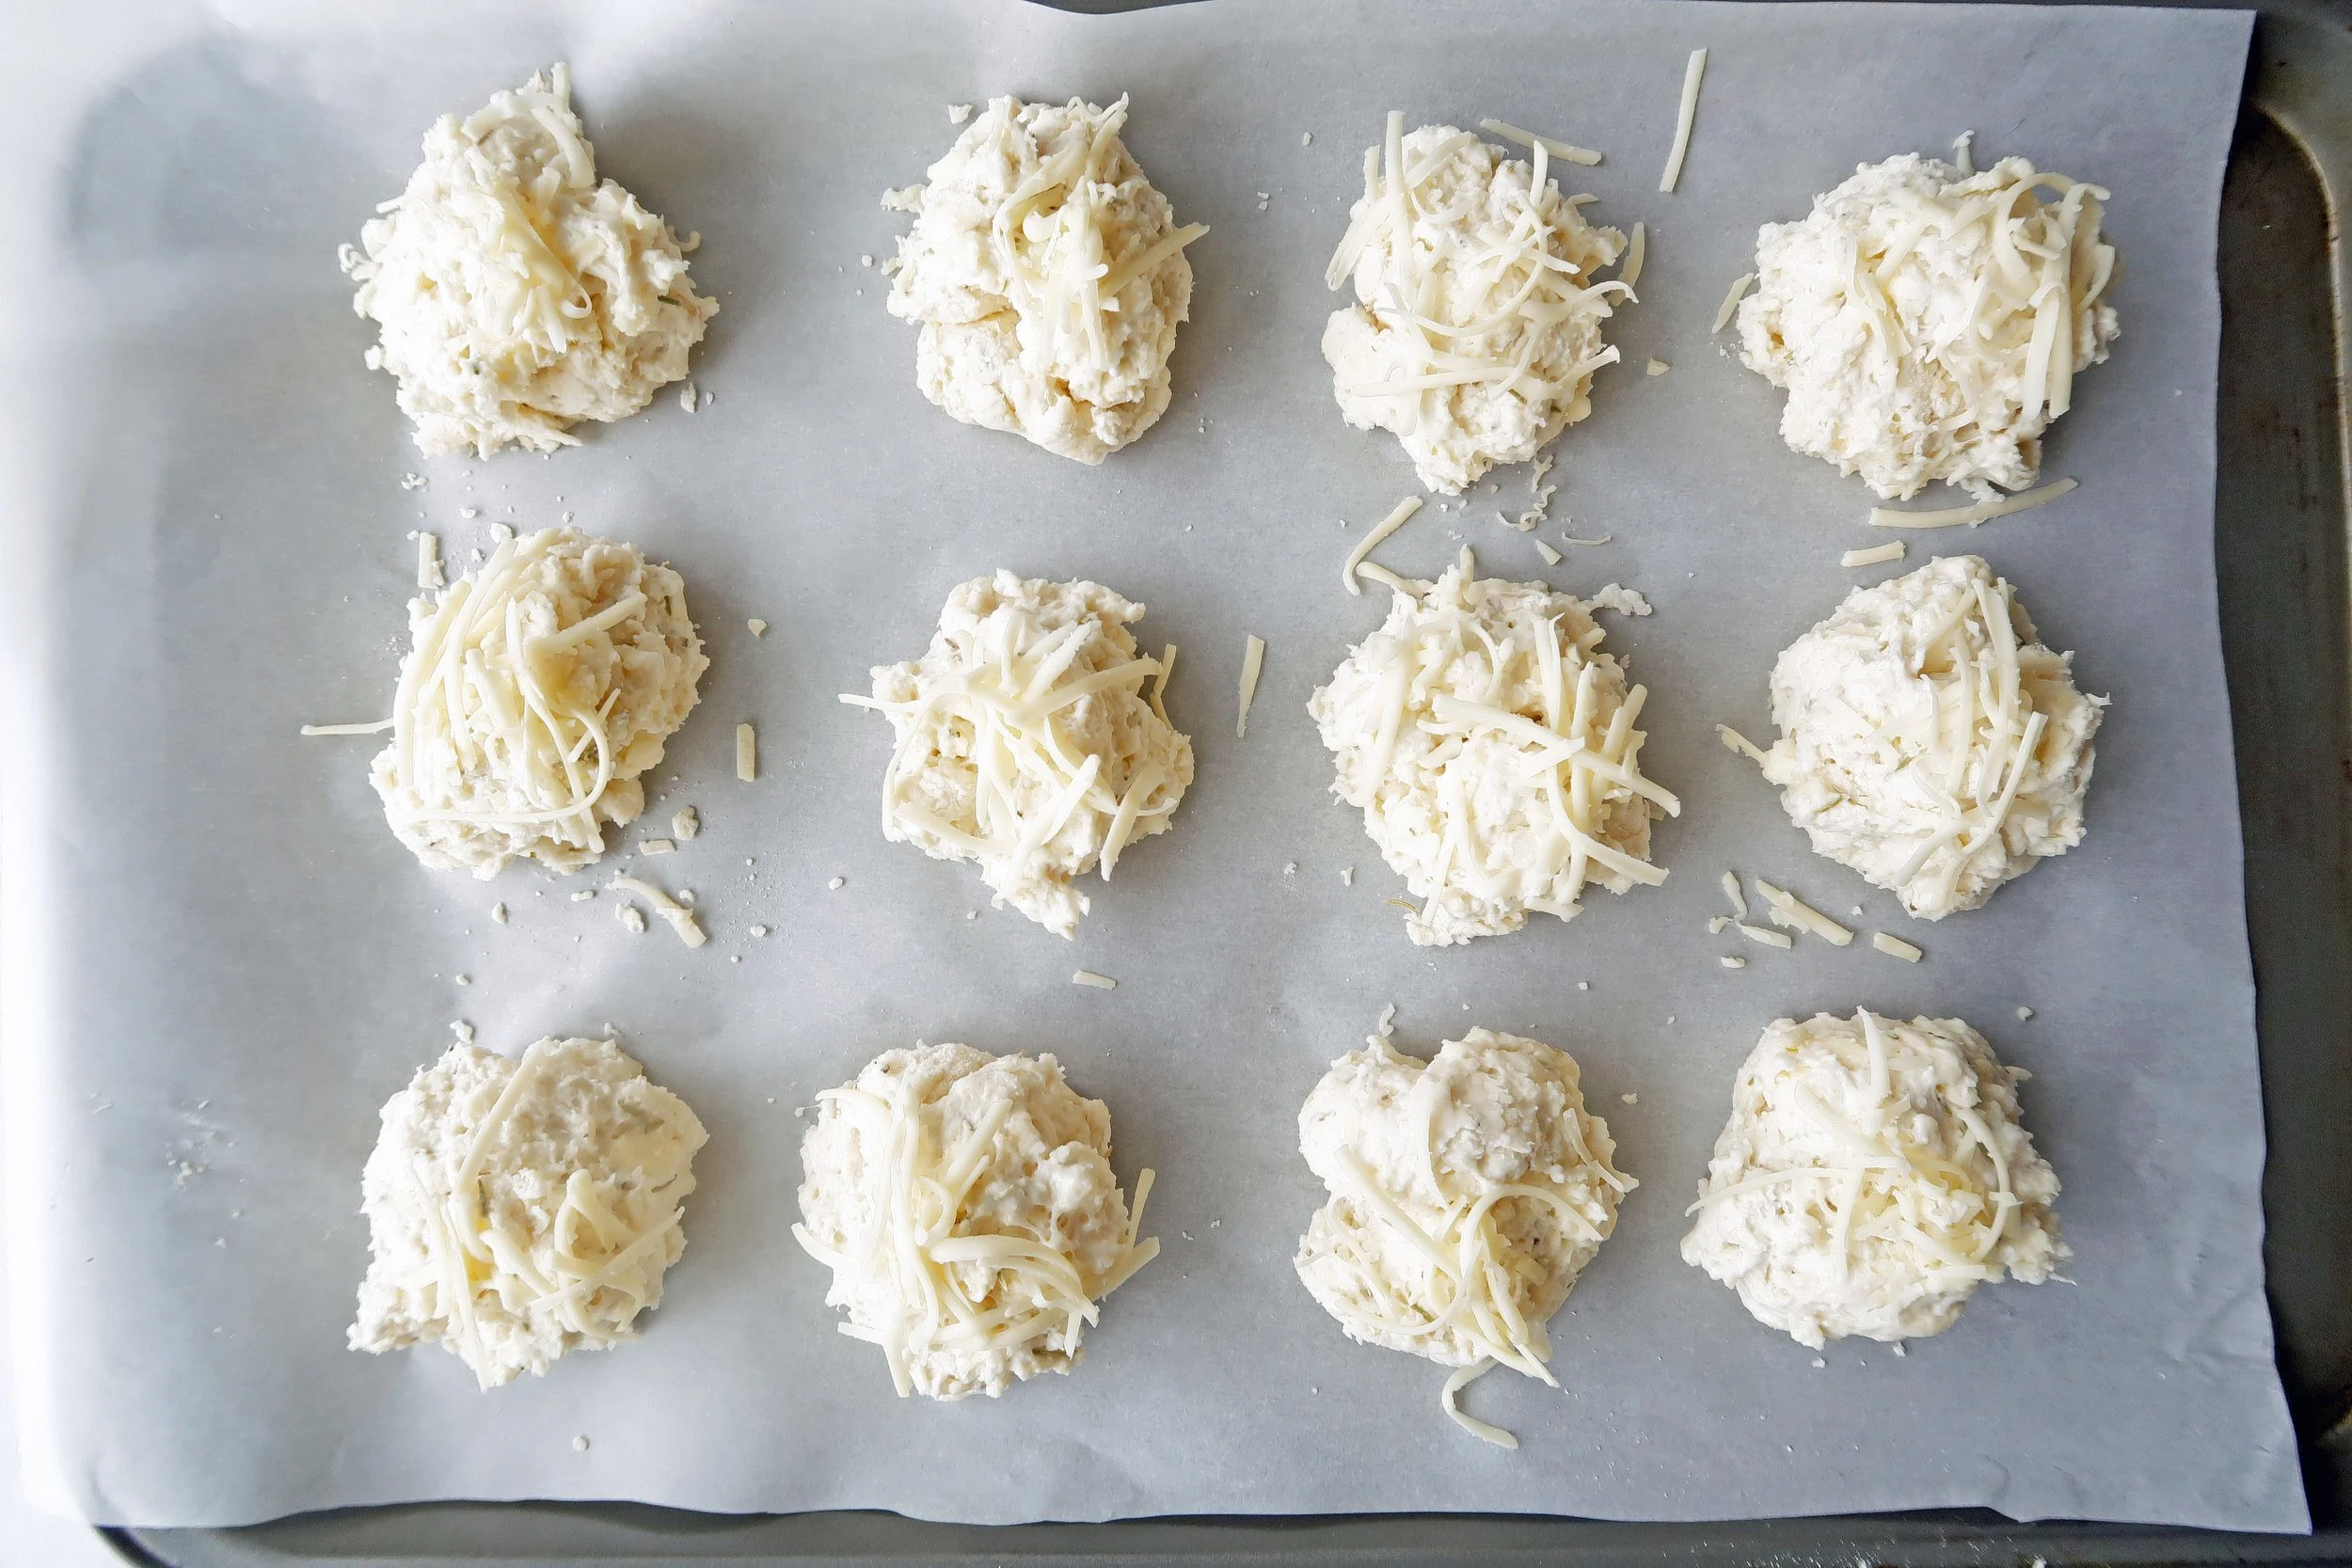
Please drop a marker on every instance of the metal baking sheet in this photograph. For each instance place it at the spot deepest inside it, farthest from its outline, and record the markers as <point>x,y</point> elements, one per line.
<point>264,862</point>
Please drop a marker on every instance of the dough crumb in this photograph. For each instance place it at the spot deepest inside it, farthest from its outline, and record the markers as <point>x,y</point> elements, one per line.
<point>760,627</point>
<point>632,916</point>
<point>686,822</point>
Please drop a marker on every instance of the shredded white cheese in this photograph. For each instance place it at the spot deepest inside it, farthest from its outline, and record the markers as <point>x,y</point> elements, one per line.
<point>1636,252</point>
<point>1730,884</point>
<point>1758,934</point>
<point>429,560</point>
<point>1686,116</point>
<point>1566,152</point>
<point>1983,511</point>
<point>1730,961</point>
<point>675,914</point>
<point>1731,301</point>
<point>519,1210</point>
<point>540,687</point>
<point>966,1207</point>
<point>1927,323</point>
<point>1552,557</point>
<point>758,628</point>
<point>1252,666</point>
<point>746,754</point>
<point>1734,741</point>
<point>1655,367</point>
<point>1491,748</point>
<point>1023,742</point>
<point>686,822</point>
<point>1876,555</point>
<point>1792,913</point>
<point>1397,518</point>
<point>1100,982</point>
<point>376,726</point>
<point>1476,329</point>
<point>1466,1194</point>
<point>1048,276</point>
<point>1896,947</point>
<point>1928,742</point>
<point>1872,1175</point>
<point>517,294</point>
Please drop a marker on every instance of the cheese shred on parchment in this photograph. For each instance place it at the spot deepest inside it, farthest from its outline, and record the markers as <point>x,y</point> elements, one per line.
<point>1397,518</point>
<point>678,918</point>
<point>1252,665</point>
<point>1686,116</point>
<point>746,754</point>
<point>1566,152</point>
<point>1983,511</point>
<point>1636,252</point>
<point>1024,742</point>
<point>966,1207</point>
<point>1730,306</point>
<point>540,687</point>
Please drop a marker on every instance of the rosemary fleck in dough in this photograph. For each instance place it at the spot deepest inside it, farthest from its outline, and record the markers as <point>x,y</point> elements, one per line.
<point>966,1207</point>
<point>1873,1173</point>
<point>1929,741</point>
<point>541,686</point>
<point>1468,1192</point>
<point>1024,741</point>
<point>1491,745</point>
<point>1049,277</point>
<point>1477,326</point>
<point>517,294</point>
<point>1928,323</point>
<point>521,1210</point>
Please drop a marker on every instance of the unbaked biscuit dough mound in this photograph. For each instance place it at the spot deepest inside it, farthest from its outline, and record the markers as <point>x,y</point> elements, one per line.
<point>541,686</point>
<point>1049,277</point>
<point>1468,1192</point>
<point>1024,741</point>
<point>517,294</point>
<point>520,1210</point>
<point>1927,323</point>
<point>1491,745</point>
<point>966,1207</point>
<point>1873,1173</point>
<point>1477,326</point>
<point>1929,741</point>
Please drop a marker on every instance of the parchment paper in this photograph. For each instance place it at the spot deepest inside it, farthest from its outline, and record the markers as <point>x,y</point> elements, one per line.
<point>221,963</point>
